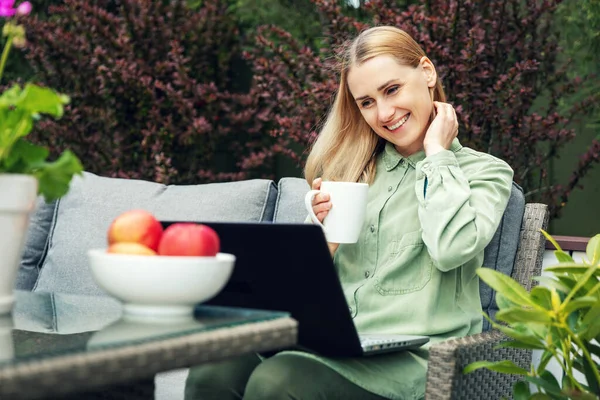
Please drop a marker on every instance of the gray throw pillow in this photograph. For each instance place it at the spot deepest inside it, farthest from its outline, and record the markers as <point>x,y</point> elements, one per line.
<point>36,243</point>
<point>290,200</point>
<point>85,213</point>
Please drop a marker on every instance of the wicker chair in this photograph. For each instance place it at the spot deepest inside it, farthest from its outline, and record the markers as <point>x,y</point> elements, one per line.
<point>445,379</point>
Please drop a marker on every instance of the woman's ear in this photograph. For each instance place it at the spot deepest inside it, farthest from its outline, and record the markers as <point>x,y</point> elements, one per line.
<point>429,71</point>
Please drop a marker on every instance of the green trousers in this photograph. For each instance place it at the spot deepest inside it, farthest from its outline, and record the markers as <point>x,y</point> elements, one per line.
<point>283,376</point>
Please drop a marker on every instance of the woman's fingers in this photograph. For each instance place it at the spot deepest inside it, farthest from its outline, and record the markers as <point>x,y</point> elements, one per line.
<point>442,130</point>
<point>321,207</point>
<point>321,204</point>
<point>316,184</point>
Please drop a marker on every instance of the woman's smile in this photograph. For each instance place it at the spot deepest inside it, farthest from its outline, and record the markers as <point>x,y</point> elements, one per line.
<point>396,127</point>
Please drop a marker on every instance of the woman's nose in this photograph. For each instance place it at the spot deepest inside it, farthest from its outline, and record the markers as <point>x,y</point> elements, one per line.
<point>385,111</point>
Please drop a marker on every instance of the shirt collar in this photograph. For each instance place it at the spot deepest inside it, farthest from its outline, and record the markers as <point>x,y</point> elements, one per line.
<point>391,157</point>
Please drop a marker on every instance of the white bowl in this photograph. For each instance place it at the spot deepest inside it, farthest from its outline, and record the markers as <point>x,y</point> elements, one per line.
<point>160,285</point>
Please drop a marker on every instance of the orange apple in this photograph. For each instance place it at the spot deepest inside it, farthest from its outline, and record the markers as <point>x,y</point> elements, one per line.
<point>136,226</point>
<point>130,248</point>
<point>189,239</point>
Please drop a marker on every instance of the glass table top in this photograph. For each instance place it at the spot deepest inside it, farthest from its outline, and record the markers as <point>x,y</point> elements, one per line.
<point>50,324</point>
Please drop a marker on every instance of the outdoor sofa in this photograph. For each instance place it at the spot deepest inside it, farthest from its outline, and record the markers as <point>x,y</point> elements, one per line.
<point>61,232</point>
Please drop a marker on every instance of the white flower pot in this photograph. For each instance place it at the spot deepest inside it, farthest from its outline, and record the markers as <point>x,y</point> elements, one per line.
<point>18,194</point>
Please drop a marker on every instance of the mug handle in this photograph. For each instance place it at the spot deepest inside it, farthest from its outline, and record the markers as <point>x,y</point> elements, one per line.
<point>308,199</point>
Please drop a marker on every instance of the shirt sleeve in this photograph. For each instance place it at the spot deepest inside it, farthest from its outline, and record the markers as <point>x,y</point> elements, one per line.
<point>459,214</point>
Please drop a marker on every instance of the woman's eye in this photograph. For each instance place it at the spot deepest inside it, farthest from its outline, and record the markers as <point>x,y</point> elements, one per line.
<point>393,89</point>
<point>366,103</point>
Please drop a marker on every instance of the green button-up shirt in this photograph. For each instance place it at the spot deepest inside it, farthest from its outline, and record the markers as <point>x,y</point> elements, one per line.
<point>412,270</point>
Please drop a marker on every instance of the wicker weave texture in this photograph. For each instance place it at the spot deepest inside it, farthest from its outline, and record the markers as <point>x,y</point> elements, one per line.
<point>445,379</point>
<point>93,371</point>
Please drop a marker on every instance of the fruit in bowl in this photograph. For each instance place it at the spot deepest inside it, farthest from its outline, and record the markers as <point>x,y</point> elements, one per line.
<point>188,239</point>
<point>160,272</point>
<point>139,232</point>
<point>136,226</point>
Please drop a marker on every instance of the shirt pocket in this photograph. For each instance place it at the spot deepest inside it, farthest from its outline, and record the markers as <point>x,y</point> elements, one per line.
<point>408,267</point>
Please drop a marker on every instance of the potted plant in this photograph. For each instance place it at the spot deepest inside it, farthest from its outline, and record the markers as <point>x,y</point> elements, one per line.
<point>24,169</point>
<point>560,318</point>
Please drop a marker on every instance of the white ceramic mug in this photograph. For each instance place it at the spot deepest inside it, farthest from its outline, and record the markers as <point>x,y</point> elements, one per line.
<point>345,219</point>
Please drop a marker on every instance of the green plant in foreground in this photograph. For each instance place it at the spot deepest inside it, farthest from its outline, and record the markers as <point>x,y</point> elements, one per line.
<point>20,107</point>
<point>561,318</point>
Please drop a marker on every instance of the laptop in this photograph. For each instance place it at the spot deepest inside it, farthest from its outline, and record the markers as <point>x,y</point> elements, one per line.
<point>288,267</point>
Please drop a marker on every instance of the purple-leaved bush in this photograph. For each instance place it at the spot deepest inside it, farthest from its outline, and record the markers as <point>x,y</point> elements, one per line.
<point>498,62</point>
<point>156,90</point>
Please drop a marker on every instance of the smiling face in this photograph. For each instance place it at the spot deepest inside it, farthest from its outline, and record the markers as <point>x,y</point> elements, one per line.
<point>394,99</point>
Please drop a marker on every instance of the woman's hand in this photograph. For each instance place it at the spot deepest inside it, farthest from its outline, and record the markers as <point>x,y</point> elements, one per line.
<point>442,130</point>
<point>321,205</point>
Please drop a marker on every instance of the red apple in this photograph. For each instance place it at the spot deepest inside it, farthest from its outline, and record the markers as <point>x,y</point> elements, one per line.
<point>130,248</point>
<point>136,226</point>
<point>189,239</point>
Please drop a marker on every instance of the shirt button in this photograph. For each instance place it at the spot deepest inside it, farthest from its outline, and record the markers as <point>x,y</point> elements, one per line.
<point>367,273</point>
<point>390,188</point>
<point>402,162</point>
<point>372,228</point>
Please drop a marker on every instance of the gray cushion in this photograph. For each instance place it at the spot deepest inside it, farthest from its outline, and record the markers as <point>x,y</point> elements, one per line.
<point>85,213</point>
<point>36,243</point>
<point>290,200</point>
<point>501,252</point>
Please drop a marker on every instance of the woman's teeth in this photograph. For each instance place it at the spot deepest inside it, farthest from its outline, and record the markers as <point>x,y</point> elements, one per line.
<point>399,123</point>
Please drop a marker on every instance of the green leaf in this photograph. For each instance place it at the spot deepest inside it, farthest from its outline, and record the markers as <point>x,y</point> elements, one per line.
<point>513,344</point>
<point>578,395</point>
<point>553,282</point>
<point>503,302</point>
<point>588,370</point>
<point>568,280</point>
<point>515,314</point>
<point>504,284</point>
<point>550,387</point>
<point>551,239</point>
<point>581,282</point>
<point>521,391</point>
<point>590,324</point>
<point>542,297</point>
<point>10,96</point>
<point>593,250</point>
<point>42,100</point>
<point>593,349</point>
<point>569,268</point>
<point>24,156</point>
<point>581,302</point>
<point>561,256</point>
<point>544,360</point>
<point>504,367</point>
<point>540,396</point>
<point>523,334</point>
<point>54,178</point>
<point>550,378</point>
<point>14,124</point>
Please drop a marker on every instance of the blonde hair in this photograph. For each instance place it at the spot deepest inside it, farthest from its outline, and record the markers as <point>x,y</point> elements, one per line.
<point>346,147</point>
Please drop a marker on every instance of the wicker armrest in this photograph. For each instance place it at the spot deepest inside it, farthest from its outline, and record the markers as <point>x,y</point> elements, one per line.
<point>445,379</point>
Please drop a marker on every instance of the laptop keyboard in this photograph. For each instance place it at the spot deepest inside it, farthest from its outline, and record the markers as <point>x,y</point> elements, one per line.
<point>370,341</point>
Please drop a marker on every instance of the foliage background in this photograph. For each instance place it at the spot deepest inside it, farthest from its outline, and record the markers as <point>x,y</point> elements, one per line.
<point>247,129</point>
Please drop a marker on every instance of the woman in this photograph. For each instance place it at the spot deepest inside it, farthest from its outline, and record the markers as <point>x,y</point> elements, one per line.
<point>433,207</point>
